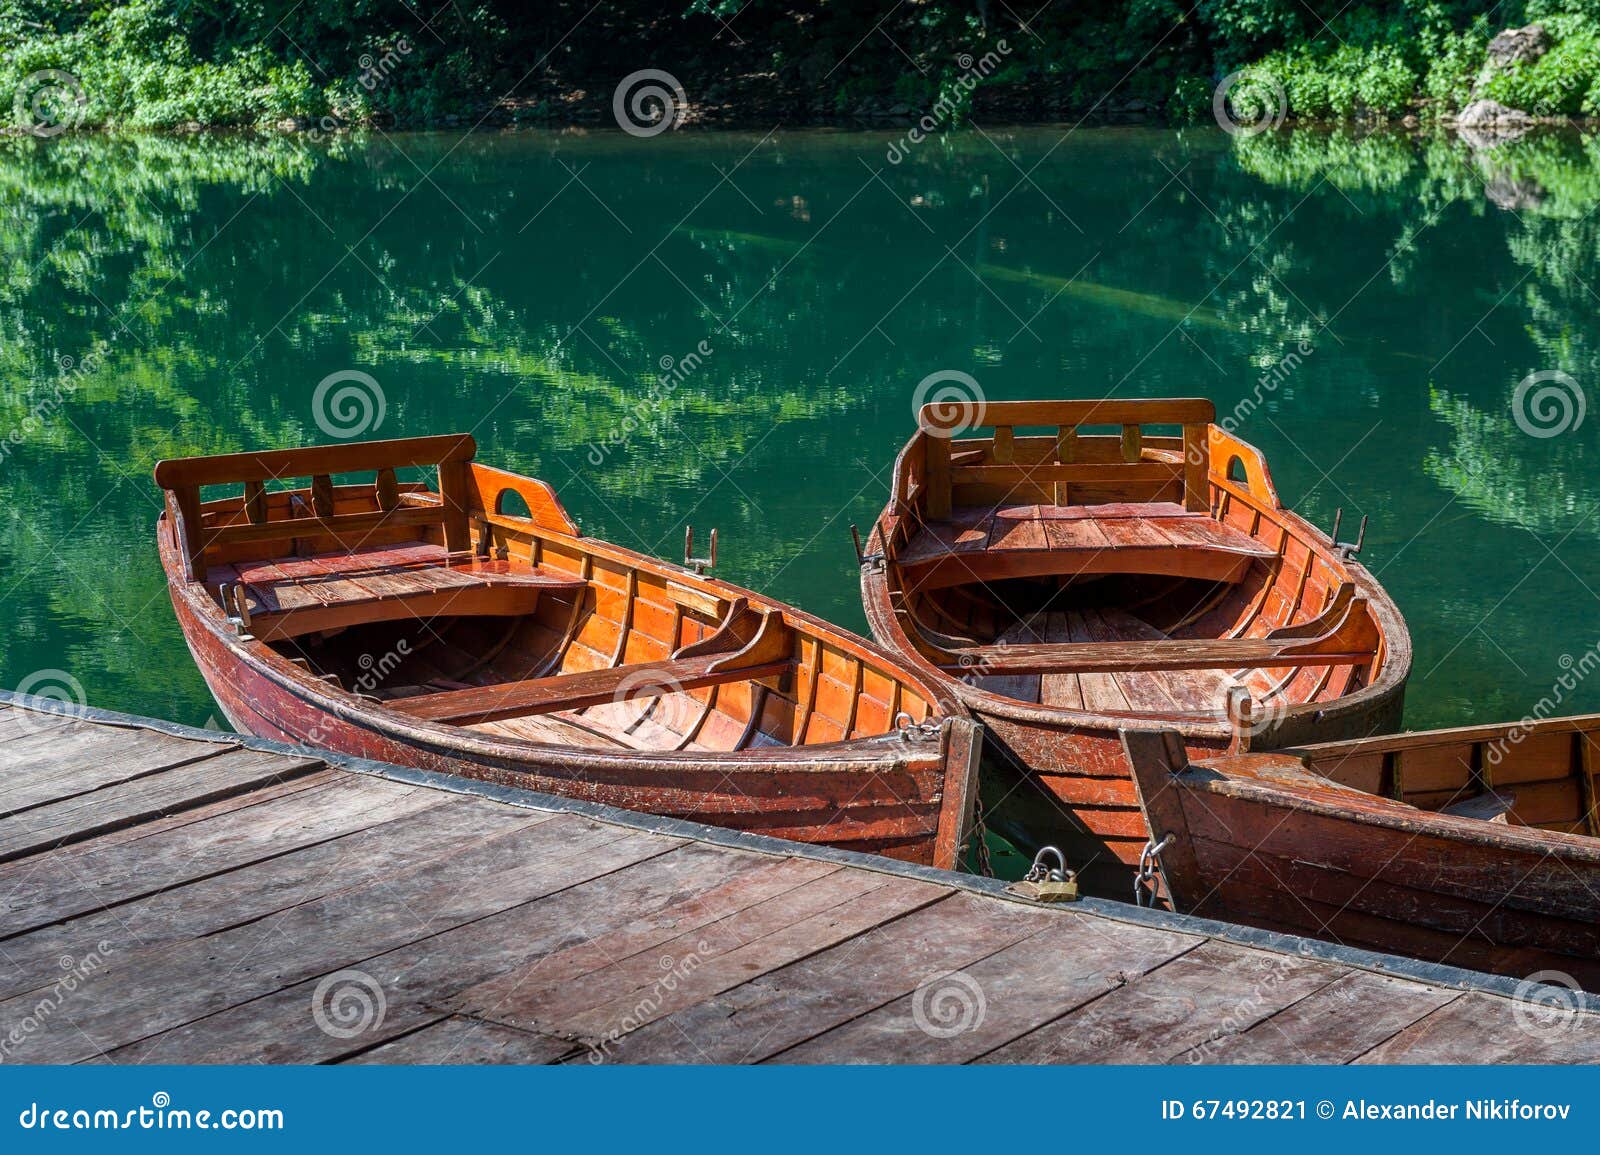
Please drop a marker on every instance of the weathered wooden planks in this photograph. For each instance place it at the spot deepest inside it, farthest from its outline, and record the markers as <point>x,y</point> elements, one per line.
<point>486,932</point>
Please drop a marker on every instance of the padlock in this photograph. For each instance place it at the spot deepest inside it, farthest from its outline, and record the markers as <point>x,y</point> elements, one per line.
<point>1047,884</point>
<point>1049,890</point>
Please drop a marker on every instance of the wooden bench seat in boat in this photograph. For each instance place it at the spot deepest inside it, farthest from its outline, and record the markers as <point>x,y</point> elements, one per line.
<point>533,696</point>
<point>292,596</point>
<point>981,544</point>
<point>1341,635</point>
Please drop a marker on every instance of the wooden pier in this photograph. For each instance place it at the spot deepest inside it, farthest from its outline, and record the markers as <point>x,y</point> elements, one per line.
<point>173,895</point>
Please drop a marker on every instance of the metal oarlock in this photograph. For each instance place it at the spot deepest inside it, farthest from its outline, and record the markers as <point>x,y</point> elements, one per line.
<point>698,564</point>
<point>862,557</point>
<point>1348,549</point>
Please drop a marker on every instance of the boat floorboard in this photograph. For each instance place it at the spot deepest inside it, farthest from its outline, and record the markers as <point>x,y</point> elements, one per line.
<point>223,900</point>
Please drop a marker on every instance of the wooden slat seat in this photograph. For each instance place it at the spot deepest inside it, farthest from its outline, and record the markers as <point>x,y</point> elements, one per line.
<point>292,596</point>
<point>533,696</point>
<point>979,544</point>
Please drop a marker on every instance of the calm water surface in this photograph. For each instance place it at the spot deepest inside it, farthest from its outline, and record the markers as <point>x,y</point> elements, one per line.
<point>1381,299</point>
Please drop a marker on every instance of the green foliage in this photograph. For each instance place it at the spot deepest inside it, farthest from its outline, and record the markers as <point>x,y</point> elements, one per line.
<point>162,63</point>
<point>1562,82</point>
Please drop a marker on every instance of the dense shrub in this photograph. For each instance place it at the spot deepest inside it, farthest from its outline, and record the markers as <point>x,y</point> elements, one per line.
<point>173,62</point>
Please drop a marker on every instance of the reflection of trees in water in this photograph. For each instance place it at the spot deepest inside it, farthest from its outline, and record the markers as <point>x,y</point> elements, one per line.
<point>1545,485</point>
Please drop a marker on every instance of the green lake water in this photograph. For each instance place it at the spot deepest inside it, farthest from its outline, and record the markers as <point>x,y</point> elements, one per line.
<point>1375,300</point>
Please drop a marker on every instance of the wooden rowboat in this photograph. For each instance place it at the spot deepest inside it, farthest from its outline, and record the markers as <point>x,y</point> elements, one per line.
<point>475,630</point>
<point>1066,584</point>
<point>1476,847</point>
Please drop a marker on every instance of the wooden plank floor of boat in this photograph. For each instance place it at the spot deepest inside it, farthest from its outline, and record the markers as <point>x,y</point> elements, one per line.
<point>220,900</point>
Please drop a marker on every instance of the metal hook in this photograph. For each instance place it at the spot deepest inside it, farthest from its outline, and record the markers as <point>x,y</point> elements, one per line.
<point>862,557</point>
<point>1348,549</point>
<point>698,564</point>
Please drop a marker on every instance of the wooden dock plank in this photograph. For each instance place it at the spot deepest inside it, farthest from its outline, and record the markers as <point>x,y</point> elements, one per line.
<point>1071,962</point>
<point>1477,1028</point>
<point>460,1040</point>
<point>251,892</point>
<point>1186,1005</point>
<point>74,819</point>
<point>419,978</point>
<point>760,1018</point>
<point>515,995</point>
<point>1338,1024</point>
<point>138,860</point>
<point>709,959</point>
<point>62,763</point>
<point>142,992</point>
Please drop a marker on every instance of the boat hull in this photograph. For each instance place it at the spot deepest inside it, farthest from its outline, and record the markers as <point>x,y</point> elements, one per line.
<point>1261,840</point>
<point>799,798</point>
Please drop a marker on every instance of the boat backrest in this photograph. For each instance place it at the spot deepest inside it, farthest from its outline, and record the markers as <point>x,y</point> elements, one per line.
<point>183,479</point>
<point>1123,466</point>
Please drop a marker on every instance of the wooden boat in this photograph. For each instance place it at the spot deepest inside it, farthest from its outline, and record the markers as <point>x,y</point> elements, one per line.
<point>1478,847</point>
<point>1066,584</point>
<point>473,629</point>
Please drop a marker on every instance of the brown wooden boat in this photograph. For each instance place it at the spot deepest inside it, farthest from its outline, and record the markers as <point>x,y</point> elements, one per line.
<point>1065,584</point>
<point>473,629</point>
<point>1476,847</point>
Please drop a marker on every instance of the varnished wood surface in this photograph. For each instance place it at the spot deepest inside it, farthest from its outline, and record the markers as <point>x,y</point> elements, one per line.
<point>254,886</point>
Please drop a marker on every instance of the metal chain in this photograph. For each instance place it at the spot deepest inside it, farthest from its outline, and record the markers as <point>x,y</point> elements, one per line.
<point>1146,883</point>
<point>980,831</point>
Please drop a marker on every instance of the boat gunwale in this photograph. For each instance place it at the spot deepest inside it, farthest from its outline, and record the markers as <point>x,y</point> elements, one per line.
<point>1234,781</point>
